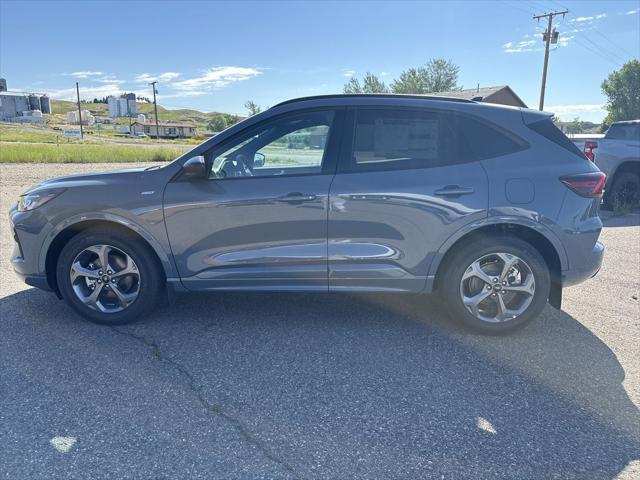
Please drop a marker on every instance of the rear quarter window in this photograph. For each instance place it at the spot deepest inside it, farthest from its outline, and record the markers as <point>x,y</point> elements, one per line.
<point>548,130</point>
<point>484,140</point>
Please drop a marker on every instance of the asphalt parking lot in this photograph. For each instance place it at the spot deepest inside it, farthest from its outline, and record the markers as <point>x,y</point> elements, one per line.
<point>318,386</point>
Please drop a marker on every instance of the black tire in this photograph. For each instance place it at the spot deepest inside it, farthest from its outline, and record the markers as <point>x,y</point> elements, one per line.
<point>624,192</point>
<point>463,256</point>
<point>151,275</point>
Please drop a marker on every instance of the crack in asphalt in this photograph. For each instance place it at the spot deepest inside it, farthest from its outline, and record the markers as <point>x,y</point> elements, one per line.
<point>212,408</point>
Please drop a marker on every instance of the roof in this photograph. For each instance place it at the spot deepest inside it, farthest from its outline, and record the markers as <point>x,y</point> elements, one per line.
<point>480,94</point>
<point>441,97</point>
<point>626,122</point>
<point>165,124</point>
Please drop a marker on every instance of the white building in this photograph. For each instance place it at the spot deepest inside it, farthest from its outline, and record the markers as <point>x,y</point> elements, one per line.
<point>87,117</point>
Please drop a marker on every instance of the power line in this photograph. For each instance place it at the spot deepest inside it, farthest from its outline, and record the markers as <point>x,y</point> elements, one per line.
<point>596,52</point>
<point>613,43</point>
<point>604,50</point>
<point>517,7</point>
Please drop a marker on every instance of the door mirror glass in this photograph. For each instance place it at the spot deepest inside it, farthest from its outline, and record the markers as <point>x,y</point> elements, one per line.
<point>194,168</point>
<point>258,160</point>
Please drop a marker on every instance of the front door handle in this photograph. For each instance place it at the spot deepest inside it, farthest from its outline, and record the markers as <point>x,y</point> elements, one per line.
<point>297,197</point>
<point>453,191</point>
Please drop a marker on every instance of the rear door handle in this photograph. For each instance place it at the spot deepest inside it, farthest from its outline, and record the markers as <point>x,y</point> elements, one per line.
<point>453,191</point>
<point>297,197</point>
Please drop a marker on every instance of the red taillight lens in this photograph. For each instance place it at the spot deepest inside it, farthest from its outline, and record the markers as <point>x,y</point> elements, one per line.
<point>589,148</point>
<point>586,184</point>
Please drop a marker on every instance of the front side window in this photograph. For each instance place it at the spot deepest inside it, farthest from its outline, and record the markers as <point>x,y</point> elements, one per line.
<point>294,144</point>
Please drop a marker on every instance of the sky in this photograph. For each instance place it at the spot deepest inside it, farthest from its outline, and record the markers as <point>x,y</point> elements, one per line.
<point>214,56</point>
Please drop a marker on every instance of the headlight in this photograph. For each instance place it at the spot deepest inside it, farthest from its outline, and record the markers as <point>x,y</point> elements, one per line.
<point>30,201</point>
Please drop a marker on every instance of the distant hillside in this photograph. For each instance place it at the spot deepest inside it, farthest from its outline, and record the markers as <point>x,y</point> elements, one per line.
<point>61,107</point>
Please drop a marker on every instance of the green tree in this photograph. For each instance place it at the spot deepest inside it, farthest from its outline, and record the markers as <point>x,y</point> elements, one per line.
<point>574,126</point>
<point>222,122</point>
<point>438,75</point>
<point>622,89</point>
<point>370,84</point>
<point>252,107</point>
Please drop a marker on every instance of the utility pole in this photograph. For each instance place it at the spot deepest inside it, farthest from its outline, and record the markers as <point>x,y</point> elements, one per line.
<point>548,37</point>
<point>155,107</point>
<point>79,111</point>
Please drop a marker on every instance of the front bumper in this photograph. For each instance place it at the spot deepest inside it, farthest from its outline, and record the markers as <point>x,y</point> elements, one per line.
<point>27,229</point>
<point>589,267</point>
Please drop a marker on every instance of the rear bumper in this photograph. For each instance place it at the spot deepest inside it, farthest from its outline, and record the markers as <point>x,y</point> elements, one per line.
<point>589,267</point>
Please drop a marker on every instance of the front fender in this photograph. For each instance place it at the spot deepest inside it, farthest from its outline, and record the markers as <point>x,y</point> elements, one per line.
<point>162,253</point>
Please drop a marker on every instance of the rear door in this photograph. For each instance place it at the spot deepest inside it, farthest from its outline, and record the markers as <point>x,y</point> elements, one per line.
<point>405,183</point>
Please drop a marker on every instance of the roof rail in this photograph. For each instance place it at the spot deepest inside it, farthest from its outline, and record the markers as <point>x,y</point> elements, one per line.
<point>375,95</point>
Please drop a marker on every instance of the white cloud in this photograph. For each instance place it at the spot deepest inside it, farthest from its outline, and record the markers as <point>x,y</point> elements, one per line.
<point>632,12</point>
<point>588,20</point>
<point>163,77</point>
<point>520,46</point>
<point>215,78</point>
<point>90,92</point>
<point>583,111</point>
<point>108,79</point>
<point>85,74</point>
<point>348,72</point>
<point>563,40</point>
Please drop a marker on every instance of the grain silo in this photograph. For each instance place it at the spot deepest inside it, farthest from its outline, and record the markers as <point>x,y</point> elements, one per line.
<point>34,102</point>
<point>45,104</point>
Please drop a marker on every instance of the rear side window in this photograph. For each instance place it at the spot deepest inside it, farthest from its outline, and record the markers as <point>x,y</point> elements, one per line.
<point>548,130</point>
<point>388,139</point>
<point>396,139</point>
<point>624,131</point>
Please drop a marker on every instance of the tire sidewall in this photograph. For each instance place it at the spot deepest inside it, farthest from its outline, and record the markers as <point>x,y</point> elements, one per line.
<point>619,183</point>
<point>150,284</point>
<point>479,247</point>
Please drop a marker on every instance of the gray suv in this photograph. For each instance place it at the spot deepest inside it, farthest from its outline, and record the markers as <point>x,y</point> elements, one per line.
<point>490,206</point>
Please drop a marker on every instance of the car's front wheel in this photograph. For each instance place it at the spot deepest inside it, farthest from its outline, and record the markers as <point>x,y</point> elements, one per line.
<point>109,278</point>
<point>495,284</point>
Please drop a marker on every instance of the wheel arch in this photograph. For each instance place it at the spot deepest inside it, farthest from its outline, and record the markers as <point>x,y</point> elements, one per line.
<point>59,238</point>
<point>536,235</point>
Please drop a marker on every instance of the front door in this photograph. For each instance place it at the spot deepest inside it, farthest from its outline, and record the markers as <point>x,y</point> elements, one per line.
<point>260,220</point>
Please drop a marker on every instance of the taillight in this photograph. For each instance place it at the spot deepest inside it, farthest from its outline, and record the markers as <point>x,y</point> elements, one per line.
<point>586,184</point>
<point>588,150</point>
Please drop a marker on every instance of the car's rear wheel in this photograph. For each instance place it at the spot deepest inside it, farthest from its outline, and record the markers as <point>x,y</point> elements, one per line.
<point>107,277</point>
<point>495,284</point>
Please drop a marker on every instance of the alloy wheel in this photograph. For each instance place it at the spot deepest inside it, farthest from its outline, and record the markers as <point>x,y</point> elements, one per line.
<point>497,287</point>
<point>105,278</point>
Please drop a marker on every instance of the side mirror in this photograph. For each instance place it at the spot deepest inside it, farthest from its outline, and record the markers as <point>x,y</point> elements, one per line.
<point>258,160</point>
<point>194,168</point>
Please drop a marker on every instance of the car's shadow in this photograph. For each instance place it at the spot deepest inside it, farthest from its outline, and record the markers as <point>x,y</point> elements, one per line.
<point>379,386</point>
<point>613,219</point>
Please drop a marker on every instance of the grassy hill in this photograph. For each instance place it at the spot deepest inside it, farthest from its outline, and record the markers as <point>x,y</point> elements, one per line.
<point>60,108</point>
